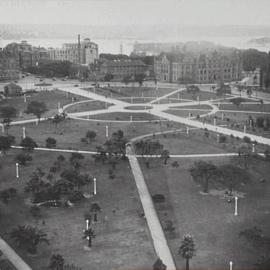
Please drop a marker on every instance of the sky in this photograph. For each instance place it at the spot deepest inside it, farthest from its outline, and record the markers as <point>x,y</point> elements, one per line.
<point>136,12</point>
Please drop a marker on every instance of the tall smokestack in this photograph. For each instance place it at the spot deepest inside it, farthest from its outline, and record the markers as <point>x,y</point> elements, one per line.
<point>79,49</point>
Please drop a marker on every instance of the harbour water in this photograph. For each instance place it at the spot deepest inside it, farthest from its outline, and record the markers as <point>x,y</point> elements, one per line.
<point>113,45</point>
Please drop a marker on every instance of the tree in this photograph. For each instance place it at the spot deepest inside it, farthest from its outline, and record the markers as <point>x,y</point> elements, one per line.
<point>187,249</point>
<point>7,113</point>
<point>5,144</point>
<point>244,153</point>
<point>89,235</point>
<point>139,78</point>
<point>90,135</point>
<point>165,155</point>
<point>202,172</point>
<point>36,108</point>
<point>108,77</point>
<point>223,90</point>
<point>28,238</point>
<point>7,194</point>
<point>159,265</point>
<point>23,158</point>
<point>56,262</point>
<point>236,101</point>
<point>50,142</point>
<point>95,208</point>
<point>232,176</point>
<point>126,79</point>
<point>28,144</point>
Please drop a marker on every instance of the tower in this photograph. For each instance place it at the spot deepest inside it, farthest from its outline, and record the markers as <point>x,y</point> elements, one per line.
<point>79,49</point>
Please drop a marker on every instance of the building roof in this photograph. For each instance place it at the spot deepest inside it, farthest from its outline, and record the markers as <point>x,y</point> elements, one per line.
<point>124,62</point>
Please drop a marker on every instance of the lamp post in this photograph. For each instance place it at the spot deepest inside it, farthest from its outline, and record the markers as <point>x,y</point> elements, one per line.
<point>236,206</point>
<point>245,128</point>
<point>187,130</point>
<point>131,118</point>
<point>253,148</point>
<point>107,131</point>
<point>24,133</point>
<point>231,265</point>
<point>95,186</point>
<point>218,138</point>
<point>24,98</point>
<point>87,224</point>
<point>17,170</point>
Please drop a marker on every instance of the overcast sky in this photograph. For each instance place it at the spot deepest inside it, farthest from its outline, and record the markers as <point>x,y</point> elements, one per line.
<point>136,12</point>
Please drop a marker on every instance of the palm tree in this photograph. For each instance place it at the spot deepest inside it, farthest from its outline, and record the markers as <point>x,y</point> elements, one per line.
<point>95,208</point>
<point>28,238</point>
<point>57,262</point>
<point>187,249</point>
<point>89,235</point>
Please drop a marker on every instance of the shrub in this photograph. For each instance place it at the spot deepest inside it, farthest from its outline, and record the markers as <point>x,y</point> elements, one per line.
<point>22,158</point>
<point>247,139</point>
<point>50,142</point>
<point>158,198</point>
<point>175,164</point>
<point>222,139</point>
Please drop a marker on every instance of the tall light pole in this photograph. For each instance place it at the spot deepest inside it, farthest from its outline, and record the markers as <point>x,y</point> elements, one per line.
<point>236,206</point>
<point>107,131</point>
<point>231,265</point>
<point>24,133</point>
<point>95,186</point>
<point>17,170</point>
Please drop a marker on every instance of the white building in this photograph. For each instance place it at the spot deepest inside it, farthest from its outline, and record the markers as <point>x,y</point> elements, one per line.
<point>85,52</point>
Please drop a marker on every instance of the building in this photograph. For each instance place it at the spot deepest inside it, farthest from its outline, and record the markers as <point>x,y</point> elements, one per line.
<point>9,66</point>
<point>12,89</point>
<point>26,54</point>
<point>203,68</point>
<point>85,52</point>
<point>251,78</point>
<point>122,67</point>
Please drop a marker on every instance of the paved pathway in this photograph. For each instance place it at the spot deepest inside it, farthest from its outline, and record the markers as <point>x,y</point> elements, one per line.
<point>13,256</point>
<point>157,234</point>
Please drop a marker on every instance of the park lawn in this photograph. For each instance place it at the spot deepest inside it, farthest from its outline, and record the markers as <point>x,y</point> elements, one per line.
<point>90,105</point>
<point>185,113</point>
<point>137,99</point>
<point>237,121</point>
<point>203,95</point>
<point>50,98</point>
<point>122,238</point>
<point>68,134</point>
<point>246,107</point>
<point>210,219</point>
<point>122,116</point>
<point>200,107</point>
<point>196,142</point>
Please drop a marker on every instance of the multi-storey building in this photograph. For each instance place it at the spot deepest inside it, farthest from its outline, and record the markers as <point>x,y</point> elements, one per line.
<point>204,68</point>
<point>252,78</point>
<point>9,67</point>
<point>85,52</point>
<point>122,67</point>
<point>26,54</point>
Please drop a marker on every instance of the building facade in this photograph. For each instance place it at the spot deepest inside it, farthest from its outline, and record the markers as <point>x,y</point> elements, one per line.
<point>26,54</point>
<point>85,52</point>
<point>122,67</point>
<point>9,66</point>
<point>204,68</point>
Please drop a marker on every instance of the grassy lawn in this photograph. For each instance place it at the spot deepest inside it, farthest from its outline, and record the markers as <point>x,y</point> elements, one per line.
<point>122,239</point>
<point>246,107</point>
<point>210,219</point>
<point>237,121</point>
<point>51,98</point>
<point>69,133</point>
<point>185,113</point>
<point>201,107</point>
<point>90,105</point>
<point>190,96</point>
<point>125,116</point>
<point>196,142</point>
